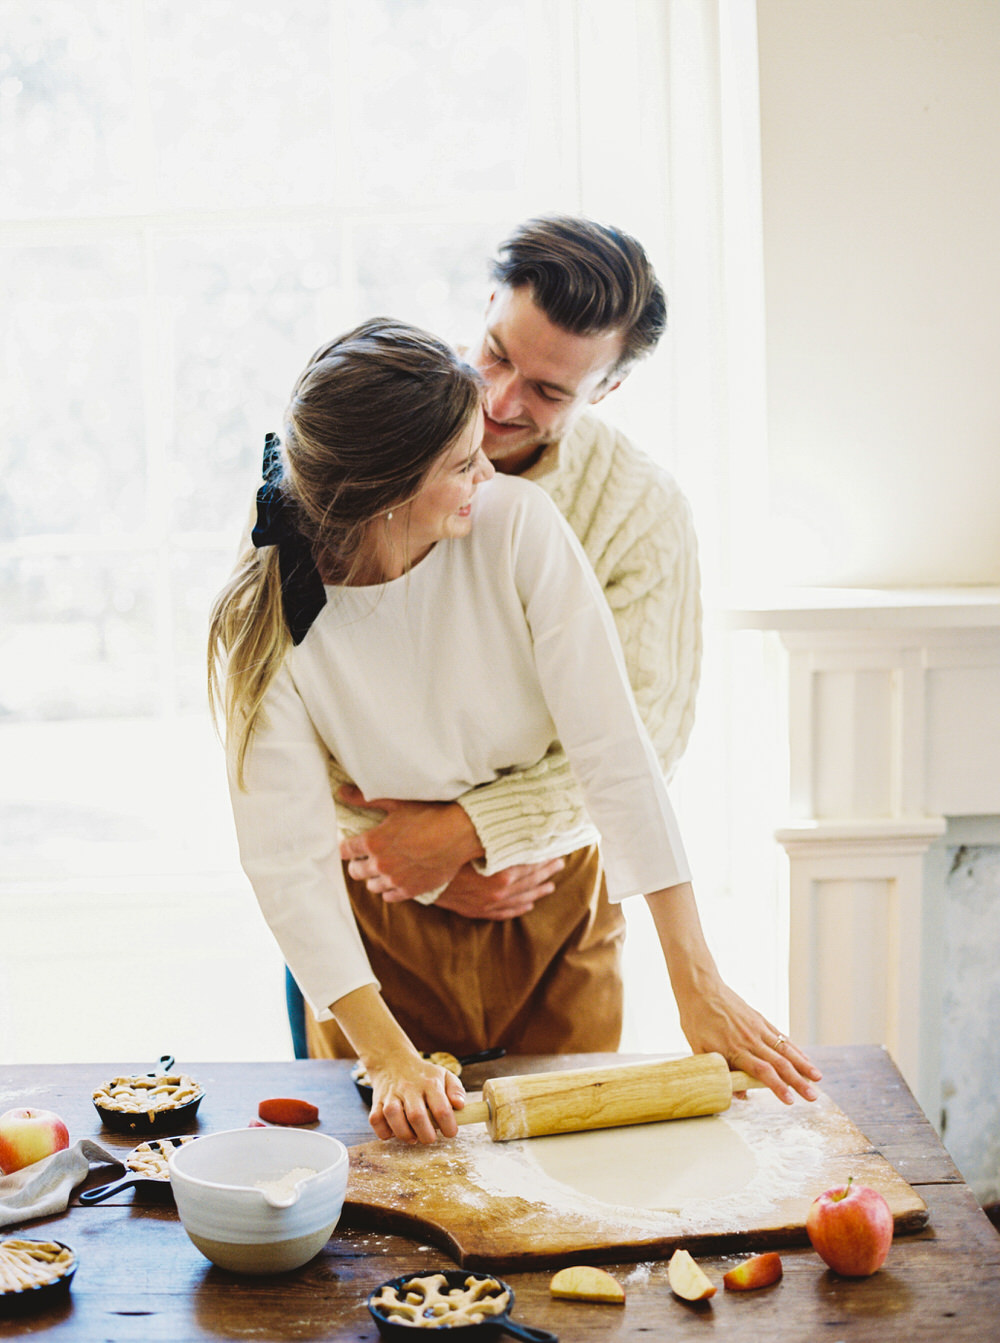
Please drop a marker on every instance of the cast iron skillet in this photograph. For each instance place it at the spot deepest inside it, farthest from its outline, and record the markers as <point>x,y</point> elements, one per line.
<point>157,1187</point>
<point>160,1121</point>
<point>484,1055</point>
<point>45,1294</point>
<point>492,1327</point>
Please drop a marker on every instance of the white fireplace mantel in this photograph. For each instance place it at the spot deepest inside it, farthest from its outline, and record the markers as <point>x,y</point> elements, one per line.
<point>893,719</point>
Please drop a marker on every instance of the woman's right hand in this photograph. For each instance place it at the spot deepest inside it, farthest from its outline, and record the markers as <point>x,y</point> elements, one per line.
<point>413,1098</point>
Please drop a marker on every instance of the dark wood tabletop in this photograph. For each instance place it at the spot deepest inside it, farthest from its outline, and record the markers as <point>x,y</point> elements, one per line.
<point>140,1278</point>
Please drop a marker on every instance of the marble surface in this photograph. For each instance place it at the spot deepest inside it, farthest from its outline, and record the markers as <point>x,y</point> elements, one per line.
<point>970,1045</point>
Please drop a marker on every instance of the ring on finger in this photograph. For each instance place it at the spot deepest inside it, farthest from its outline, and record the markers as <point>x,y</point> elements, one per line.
<point>781,1040</point>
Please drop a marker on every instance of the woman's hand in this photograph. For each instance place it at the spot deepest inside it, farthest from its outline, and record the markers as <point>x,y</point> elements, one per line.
<point>714,1018</point>
<point>412,1098</point>
<point>410,1095</point>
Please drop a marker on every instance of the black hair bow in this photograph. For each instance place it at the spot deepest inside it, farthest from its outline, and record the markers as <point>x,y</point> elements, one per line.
<point>302,593</point>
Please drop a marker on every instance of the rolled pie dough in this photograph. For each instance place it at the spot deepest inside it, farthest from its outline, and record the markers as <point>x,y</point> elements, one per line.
<point>649,1165</point>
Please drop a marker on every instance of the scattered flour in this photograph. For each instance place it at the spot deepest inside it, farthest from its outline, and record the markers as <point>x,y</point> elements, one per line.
<point>639,1275</point>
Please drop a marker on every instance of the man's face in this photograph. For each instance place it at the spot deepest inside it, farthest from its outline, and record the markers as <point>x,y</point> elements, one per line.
<point>538,376</point>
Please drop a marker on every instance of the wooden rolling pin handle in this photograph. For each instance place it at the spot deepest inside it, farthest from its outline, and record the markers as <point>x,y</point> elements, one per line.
<point>475,1112</point>
<point>743,1081</point>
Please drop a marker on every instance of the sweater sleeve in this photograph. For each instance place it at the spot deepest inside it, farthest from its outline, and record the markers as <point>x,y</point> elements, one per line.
<point>531,814</point>
<point>583,677</point>
<point>289,846</point>
<point>636,529</point>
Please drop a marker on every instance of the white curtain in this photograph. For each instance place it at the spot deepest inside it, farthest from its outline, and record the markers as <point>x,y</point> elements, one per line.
<point>706,108</point>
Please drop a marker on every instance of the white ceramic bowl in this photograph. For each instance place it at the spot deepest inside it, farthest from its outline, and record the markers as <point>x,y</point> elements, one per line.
<point>248,1229</point>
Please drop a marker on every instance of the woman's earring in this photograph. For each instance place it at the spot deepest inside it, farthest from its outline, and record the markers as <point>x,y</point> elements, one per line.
<point>388,516</point>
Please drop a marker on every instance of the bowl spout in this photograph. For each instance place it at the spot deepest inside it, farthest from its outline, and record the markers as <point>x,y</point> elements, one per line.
<point>285,1191</point>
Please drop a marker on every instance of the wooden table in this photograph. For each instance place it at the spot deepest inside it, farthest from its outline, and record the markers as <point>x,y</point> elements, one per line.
<point>140,1278</point>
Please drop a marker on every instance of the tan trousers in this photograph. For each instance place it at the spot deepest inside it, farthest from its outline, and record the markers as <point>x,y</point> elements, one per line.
<point>548,982</point>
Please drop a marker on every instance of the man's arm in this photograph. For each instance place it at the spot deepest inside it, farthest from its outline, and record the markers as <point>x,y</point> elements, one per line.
<point>432,845</point>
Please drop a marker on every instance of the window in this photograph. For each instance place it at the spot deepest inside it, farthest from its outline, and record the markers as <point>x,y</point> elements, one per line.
<point>192,198</point>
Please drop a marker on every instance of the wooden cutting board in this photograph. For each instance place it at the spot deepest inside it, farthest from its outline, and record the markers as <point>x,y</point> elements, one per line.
<point>741,1180</point>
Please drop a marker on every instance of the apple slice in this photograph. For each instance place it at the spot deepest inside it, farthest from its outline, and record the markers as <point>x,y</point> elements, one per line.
<point>759,1271</point>
<point>288,1110</point>
<point>584,1283</point>
<point>687,1280</point>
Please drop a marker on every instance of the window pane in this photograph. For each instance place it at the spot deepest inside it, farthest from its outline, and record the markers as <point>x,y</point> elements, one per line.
<point>196,577</point>
<point>71,341</point>
<point>244,309</point>
<point>67,137</point>
<point>240,101</point>
<point>78,637</point>
<point>461,72</point>
<point>434,274</point>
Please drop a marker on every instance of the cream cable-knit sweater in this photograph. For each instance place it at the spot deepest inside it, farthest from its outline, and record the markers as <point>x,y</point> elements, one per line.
<point>635,527</point>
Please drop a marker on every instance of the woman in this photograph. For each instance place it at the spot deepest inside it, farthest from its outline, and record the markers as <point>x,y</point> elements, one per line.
<point>427,638</point>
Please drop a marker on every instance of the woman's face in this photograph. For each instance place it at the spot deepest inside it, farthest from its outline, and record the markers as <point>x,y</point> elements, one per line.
<point>442,509</point>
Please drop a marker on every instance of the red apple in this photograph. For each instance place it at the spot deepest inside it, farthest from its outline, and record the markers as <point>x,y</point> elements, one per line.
<point>851,1229</point>
<point>28,1135</point>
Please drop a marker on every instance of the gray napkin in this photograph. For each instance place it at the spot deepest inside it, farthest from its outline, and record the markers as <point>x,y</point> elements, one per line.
<point>44,1188</point>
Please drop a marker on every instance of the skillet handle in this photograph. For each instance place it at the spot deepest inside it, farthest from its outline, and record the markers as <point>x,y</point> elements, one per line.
<point>484,1055</point>
<point>104,1191</point>
<point>526,1332</point>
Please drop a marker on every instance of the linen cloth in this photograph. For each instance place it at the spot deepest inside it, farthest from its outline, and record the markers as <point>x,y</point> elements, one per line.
<point>44,1188</point>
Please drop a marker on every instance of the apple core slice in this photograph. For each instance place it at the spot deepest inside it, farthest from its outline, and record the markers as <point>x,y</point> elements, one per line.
<point>687,1279</point>
<point>586,1283</point>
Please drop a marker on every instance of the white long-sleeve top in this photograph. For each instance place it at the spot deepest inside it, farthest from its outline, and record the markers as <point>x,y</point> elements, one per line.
<point>473,663</point>
<point>635,527</point>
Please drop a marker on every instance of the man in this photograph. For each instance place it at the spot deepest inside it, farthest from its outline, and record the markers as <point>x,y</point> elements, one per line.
<point>574,306</point>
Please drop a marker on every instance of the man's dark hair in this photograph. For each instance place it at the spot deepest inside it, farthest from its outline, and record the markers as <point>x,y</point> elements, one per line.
<point>588,279</point>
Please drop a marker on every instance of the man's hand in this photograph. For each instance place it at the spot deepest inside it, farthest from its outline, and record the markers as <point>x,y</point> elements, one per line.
<point>504,895</point>
<point>417,848</point>
<point>420,846</point>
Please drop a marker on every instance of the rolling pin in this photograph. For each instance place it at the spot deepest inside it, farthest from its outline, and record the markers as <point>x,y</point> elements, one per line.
<point>590,1098</point>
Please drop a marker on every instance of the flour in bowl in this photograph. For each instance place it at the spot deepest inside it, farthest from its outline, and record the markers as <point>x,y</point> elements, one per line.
<point>284,1185</point>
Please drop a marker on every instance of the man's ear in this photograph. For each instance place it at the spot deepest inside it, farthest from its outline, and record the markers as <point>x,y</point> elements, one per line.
<point>603,390</point>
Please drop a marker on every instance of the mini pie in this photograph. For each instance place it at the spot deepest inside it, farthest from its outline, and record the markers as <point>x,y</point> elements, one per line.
<point>147,1095</point>
<point>428,1302</point>
<point>26,1264</point>
<point>151,1158</point>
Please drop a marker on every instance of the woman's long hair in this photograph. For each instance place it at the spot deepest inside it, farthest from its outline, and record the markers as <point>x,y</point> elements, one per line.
<point>368,417</point>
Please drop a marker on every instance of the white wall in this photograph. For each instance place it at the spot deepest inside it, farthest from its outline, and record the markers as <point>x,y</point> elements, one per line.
<point>881,146</point>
